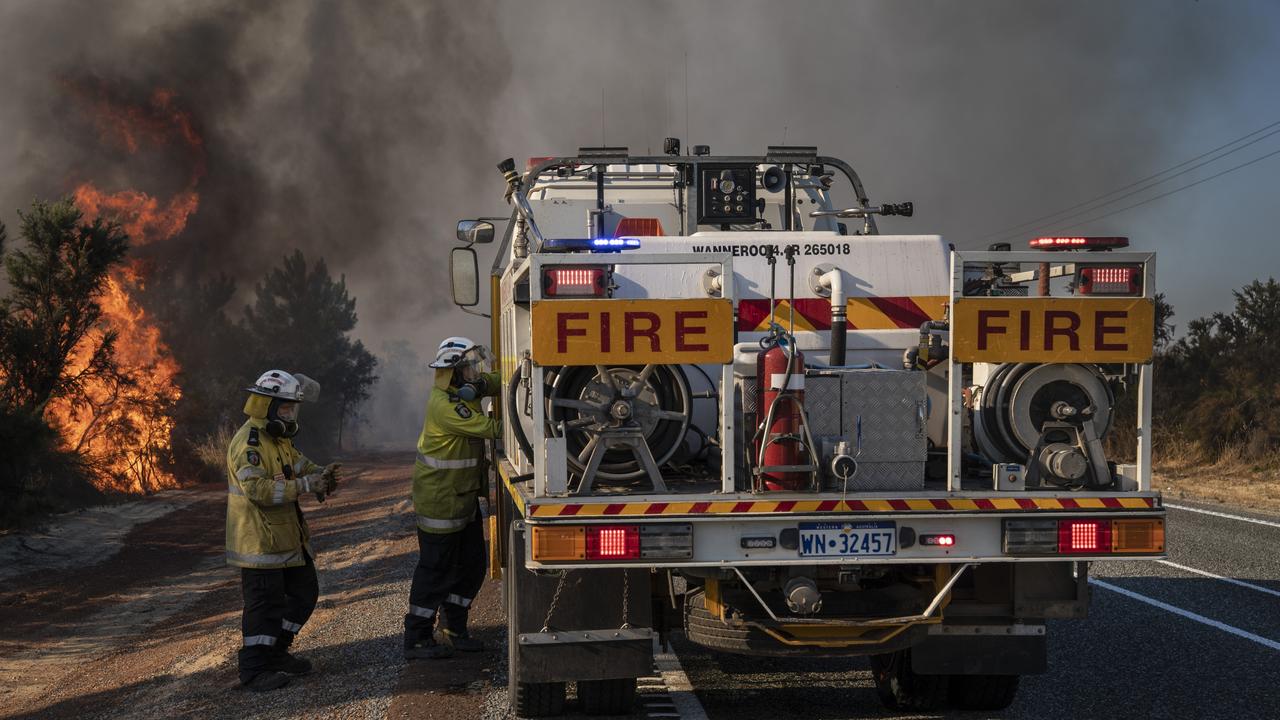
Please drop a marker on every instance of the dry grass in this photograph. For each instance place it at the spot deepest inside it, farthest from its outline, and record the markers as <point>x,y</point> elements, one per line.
<point>212,451</point>
<point>1233,479</point>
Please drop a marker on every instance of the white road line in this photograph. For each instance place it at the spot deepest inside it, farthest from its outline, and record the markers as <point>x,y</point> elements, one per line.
<point>1265,642</point>
<point>1228,516</point>
<point>678,686</point>
<point>1233,581</point>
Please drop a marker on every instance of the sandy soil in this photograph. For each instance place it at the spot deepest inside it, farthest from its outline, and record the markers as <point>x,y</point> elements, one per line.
<point>130,612</point>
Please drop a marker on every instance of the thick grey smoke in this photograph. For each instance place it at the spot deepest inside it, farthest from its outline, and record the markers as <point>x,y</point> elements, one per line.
<point>351,130</point>
<point>360,131</point>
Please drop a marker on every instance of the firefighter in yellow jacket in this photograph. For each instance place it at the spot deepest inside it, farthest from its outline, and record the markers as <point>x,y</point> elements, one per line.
<point>447,481</point>
<point>267,537</point>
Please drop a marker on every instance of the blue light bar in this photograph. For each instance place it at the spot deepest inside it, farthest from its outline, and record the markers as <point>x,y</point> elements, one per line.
<point>614,244</point>
<point>597,245</point>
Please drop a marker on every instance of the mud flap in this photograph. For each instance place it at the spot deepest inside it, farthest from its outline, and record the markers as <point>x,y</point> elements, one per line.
<point>585,639</point>
<point>981,650</point>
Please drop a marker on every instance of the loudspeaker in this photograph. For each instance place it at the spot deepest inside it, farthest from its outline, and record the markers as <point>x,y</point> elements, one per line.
<point>774,179</point>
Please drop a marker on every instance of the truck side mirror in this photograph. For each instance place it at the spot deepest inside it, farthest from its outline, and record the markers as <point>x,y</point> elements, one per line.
<point>474,232</point>
<point>464,275</point>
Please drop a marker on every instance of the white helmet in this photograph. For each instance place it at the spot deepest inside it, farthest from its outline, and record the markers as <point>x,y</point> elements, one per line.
<point>294,387</point>
<point>463,356</point>
<point>451,351</point>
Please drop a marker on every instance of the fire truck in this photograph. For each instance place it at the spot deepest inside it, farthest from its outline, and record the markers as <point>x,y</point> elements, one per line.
<point>733,408</point>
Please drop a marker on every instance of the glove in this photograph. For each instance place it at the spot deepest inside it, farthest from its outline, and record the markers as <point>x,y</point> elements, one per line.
<point>329,478</point>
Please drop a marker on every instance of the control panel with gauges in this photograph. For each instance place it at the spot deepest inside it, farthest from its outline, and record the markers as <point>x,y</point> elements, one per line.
<point>727,194</point>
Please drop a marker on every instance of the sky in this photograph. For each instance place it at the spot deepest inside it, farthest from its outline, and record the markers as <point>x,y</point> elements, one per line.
<point>361,132</point>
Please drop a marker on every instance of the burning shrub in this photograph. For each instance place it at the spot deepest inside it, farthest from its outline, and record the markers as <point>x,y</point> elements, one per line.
<point>52,342</point>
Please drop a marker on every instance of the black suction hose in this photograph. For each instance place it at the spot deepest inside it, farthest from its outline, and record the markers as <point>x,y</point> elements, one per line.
<point>522,440</point>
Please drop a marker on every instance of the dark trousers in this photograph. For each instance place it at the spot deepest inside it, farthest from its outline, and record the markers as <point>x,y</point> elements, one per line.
<point>450,571</point>
<point>277,603</point>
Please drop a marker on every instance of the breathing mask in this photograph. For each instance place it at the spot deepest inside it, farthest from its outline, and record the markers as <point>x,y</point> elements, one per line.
<point>282,418</point>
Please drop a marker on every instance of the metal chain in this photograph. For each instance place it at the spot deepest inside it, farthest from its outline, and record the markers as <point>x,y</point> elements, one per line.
<point>555,598</point>
<point>626,599</point>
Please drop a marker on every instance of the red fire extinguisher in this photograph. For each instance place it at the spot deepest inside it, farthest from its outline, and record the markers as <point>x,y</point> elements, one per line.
<point>781,440</point>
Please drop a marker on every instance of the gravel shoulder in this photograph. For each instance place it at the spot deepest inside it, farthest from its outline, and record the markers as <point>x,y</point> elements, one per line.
<point>151,627</point>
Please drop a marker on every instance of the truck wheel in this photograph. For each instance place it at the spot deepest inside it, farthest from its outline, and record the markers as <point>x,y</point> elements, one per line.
<point>607,697</point>
<point>983,692</point>
<point>901,688</point>
<point>532,700</point>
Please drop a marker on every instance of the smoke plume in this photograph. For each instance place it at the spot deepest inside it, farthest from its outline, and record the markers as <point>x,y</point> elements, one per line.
<point>359,132</point>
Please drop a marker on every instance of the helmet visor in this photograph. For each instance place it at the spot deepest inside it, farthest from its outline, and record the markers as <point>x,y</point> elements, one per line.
<point>474,363</point>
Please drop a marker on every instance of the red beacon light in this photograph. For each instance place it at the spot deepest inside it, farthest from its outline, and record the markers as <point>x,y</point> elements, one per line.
<point>1079,243</point>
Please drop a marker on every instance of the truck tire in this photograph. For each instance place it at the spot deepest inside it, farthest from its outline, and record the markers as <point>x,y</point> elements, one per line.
<point>901,688</point>
<point>983,692</point>
<point>607,697</point>
<point>535,700</point>
<point>705,629</point>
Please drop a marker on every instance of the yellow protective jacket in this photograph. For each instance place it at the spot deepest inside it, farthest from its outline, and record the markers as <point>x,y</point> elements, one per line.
<point>265,527</point>
<point>448,476</point>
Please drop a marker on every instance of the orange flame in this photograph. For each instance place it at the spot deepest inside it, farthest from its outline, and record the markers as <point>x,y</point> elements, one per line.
<point>122,425</point>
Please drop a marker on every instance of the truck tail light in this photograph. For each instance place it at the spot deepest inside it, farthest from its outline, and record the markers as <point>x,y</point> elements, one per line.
<point>1110,280</point>
<point>666,540</point>
<point>1137,535</point>
<point>613,542</point>
<point>575,281</point>
<point>1031,537</point>
<point>671,541</point>
<point>1084,537</point>
<point>559,543</point>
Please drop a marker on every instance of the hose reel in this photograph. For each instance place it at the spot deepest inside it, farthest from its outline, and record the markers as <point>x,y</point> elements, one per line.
<point>1051,417</point>
<point>620,423</point>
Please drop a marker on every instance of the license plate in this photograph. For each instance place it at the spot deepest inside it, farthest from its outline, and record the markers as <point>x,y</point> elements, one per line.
<point>861,539</point>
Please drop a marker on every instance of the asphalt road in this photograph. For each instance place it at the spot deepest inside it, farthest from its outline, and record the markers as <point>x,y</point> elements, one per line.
<point>1164,639</point>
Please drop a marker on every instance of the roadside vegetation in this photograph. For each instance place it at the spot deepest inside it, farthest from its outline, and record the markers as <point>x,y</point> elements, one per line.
<point>1217,403</point>
<point>61,354</point>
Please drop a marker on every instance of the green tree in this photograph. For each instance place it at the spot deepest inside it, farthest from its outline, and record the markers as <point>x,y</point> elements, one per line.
<point>52,304</point>
<point>300,321</point>
<point>1218,383</point>
<point>208,346</point>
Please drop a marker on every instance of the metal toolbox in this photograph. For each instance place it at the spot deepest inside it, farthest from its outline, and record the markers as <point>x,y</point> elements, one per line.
<point>892,408</point>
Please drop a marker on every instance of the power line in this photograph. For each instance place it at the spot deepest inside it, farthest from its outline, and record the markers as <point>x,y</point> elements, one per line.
<point>1175,190</point>
<point>1020,227</point>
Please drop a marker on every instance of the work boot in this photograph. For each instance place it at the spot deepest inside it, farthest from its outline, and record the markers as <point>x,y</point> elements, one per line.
<point>427,650</point>
<point>282,661</point>
<point>267,680</point>
<point>459,641</point>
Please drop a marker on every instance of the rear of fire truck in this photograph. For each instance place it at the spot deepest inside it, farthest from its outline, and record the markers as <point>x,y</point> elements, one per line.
<point>735,409</point>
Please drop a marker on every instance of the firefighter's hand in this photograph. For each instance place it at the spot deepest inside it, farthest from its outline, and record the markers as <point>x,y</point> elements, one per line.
<point>329,478</point>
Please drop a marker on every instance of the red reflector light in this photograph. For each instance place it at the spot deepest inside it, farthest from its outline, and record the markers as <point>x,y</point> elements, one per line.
<point>939,540</point>
<point>1078,243</point>
<point>1084,537</point>
<point>536,161</point>
<point>573,281</point>
<point>613,542</point>
<point>1110,280</point>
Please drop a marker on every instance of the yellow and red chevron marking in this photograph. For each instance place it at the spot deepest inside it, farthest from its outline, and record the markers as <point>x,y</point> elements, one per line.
<point>865,313</point>
<point>756,507</point>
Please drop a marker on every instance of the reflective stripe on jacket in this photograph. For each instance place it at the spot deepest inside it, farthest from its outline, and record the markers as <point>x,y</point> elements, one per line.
<point>265,527</point>
<point>447,475</point>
